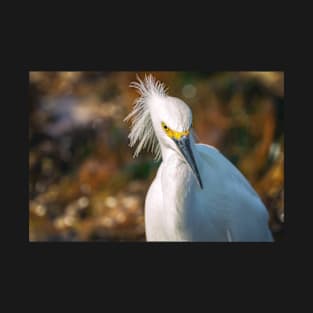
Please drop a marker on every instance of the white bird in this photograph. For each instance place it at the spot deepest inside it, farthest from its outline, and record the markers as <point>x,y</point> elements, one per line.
<point>197,194</point>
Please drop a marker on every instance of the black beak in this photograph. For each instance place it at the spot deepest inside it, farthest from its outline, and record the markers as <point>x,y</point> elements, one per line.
<point>183,145</point>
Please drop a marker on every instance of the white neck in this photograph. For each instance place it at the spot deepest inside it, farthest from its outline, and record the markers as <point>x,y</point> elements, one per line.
<point>167,153</point>
<point>175,165</point>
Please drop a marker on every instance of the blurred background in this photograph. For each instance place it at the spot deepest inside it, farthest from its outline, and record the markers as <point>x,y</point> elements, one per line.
<point>84,184</point>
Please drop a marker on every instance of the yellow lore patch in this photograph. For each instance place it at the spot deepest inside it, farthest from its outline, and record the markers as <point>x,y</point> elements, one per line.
<point>172,133</point>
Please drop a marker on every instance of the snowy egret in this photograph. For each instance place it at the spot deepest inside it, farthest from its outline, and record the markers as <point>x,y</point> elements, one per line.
<point>197,194</point>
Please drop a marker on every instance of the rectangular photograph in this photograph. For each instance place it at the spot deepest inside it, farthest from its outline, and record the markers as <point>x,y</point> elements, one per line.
<point>164,156</point>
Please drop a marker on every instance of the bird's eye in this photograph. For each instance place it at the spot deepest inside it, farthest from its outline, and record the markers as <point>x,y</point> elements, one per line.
<point>164,126</point>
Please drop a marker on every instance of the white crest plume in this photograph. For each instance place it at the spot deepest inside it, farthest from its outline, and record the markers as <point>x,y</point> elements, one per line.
<point>141,127</point>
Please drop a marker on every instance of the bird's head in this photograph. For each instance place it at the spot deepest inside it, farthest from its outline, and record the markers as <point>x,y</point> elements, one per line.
<point>160,120</point>
<point>172,123</point>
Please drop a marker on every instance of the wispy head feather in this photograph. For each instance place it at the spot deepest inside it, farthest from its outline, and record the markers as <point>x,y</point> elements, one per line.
<point>141,127</point>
